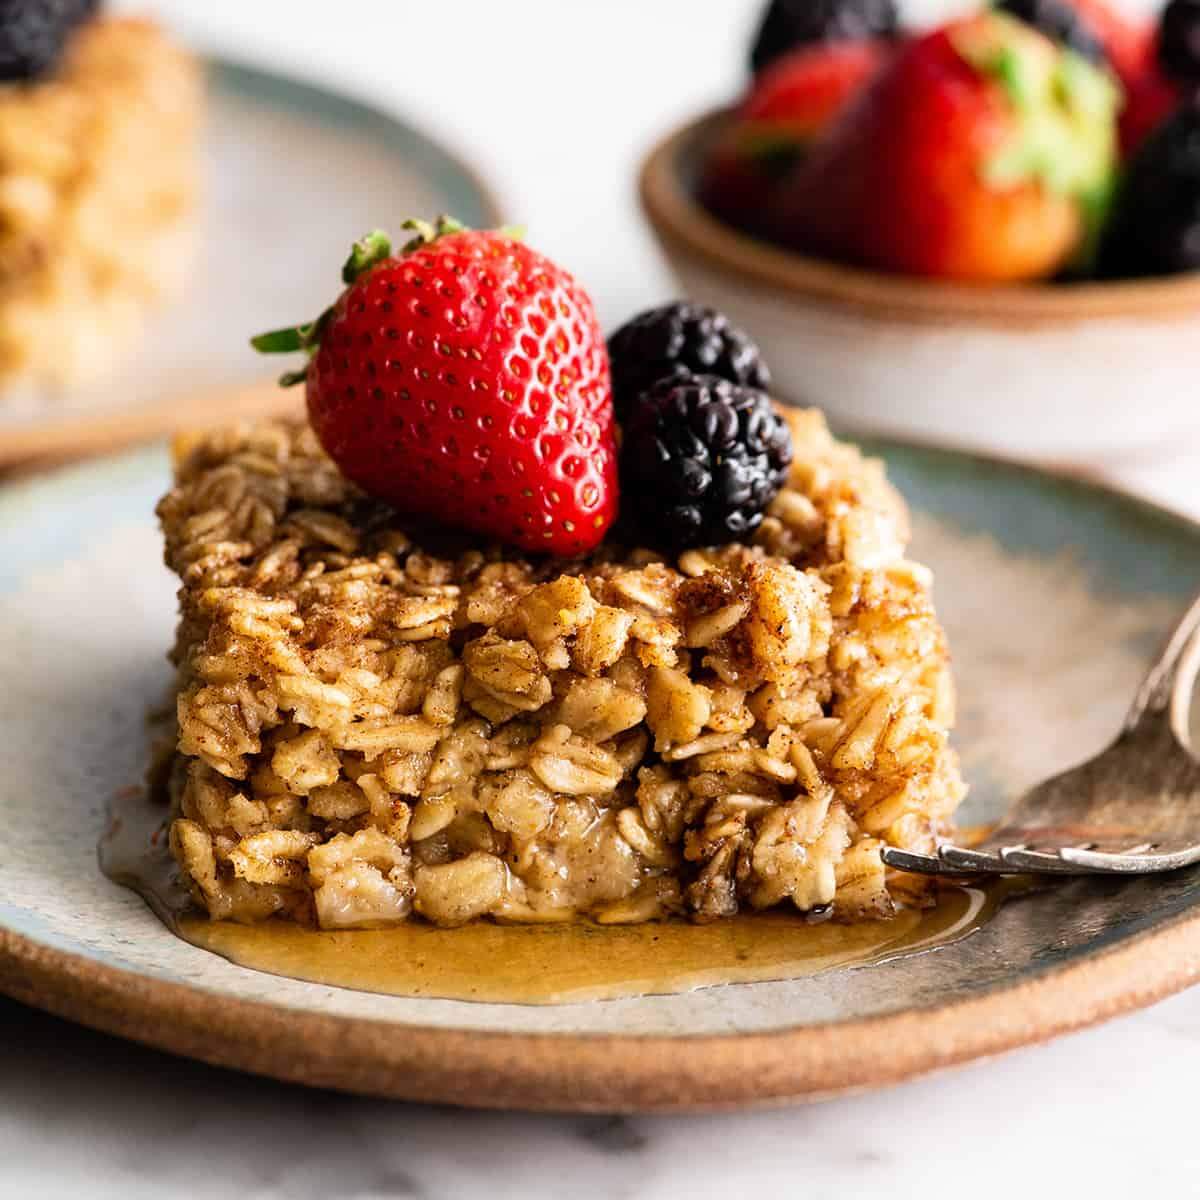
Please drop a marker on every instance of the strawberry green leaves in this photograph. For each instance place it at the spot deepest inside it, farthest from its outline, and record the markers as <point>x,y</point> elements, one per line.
<point>367,253</point>
<point>291,339</point>
<point>370,249</point>
<point>1062,117</point>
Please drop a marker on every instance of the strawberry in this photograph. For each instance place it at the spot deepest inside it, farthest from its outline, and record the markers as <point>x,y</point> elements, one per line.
<point>1127,43</point>
<point>1169,74</point>
<point>788,106</point>
<point>1150,99</point>
<point>1131,48</point>
<point>982,152</point>
<point>800,94</point>
<point>465,379</point>
<point>1093,28</point>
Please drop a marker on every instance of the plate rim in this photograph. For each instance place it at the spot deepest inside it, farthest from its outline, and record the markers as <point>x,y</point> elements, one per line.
<point>626,1073</point>
<point>611,1072</point>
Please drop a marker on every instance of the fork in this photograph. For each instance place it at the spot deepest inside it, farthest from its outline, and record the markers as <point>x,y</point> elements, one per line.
<point>1132,810</point>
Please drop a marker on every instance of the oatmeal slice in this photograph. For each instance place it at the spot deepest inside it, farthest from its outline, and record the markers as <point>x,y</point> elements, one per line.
<point>374,727</point>
<point>99,185</point>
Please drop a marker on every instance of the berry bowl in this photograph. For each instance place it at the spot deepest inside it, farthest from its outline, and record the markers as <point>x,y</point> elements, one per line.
<point>1050,370</point>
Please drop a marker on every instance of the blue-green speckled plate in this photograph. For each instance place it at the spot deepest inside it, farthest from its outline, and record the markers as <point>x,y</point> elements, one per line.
<point>1054,593</point>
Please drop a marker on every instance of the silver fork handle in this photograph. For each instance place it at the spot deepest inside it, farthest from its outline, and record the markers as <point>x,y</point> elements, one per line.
<point>1167,688</point>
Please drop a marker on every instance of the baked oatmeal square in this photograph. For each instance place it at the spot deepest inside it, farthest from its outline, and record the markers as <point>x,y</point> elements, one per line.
<point>376,721</point>
<point>99,191</point>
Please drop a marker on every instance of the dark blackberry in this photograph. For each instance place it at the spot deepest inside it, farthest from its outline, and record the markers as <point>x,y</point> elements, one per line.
<point>700,461</point>
<point>676,340</point>
<point>1060,21</point>
<point>790,23</point>
<point>34,33</point>
<point>1179,40</point>
<point>1155,228</point>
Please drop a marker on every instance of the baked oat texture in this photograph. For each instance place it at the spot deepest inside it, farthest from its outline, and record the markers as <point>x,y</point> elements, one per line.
<point>369,727</point>
<point>98,193</point>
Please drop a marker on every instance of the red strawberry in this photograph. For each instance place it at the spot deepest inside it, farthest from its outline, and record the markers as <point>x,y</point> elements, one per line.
<point>465,379</point>
<point>982,152</point>
<point>801,93</point>
<point>1150,99</point>
<point>1170,71</point>
<point>788,106</point>
<point>1126,42</point>
<point>1132,48</point>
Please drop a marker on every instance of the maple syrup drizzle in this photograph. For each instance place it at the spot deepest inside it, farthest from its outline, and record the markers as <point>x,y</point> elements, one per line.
<point>529,964</point>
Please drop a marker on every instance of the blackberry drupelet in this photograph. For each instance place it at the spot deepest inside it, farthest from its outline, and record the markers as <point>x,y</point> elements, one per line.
<point>1156,226</point>
<point>701,460</point>
<point>1179,40</point>
<point>1061,21</point>
<point>790,23</point>
<point>677,340</point>
<point>34,33</point>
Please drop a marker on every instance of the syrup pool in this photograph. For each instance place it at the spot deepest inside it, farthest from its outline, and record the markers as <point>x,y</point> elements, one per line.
<point>530,964</point>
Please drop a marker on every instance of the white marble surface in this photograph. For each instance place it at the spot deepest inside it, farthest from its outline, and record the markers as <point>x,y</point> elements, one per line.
<point>574,91</point>
<point>1106,1113</point>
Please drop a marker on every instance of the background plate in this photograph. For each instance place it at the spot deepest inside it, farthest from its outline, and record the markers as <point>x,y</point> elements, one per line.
<point>1053,592</point>
<point>294,174</point>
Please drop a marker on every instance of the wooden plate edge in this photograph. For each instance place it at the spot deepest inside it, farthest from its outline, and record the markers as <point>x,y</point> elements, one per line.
<point>108,430</point>
<point>597,1073</point>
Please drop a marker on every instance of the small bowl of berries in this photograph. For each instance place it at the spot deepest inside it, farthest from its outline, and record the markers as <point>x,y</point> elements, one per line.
<point>986,233</point>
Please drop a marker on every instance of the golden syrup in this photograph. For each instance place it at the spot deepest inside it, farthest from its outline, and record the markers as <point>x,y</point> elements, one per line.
<point>529,964</point>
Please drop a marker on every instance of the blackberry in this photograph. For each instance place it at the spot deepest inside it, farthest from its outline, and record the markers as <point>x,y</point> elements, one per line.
<point>701,459</point>
<point>34,33</point>
<point>1179,40</point>
<point>790,23</point>
<point>677,340</point>
<point>1060,21</point>
<point>1155,229</point>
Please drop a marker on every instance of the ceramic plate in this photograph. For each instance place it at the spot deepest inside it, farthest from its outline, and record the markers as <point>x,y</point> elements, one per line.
<point>1054,593</point>
<point>293,175</point>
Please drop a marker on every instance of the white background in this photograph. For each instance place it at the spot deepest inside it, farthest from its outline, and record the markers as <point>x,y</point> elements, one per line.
<point>556,100</point>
